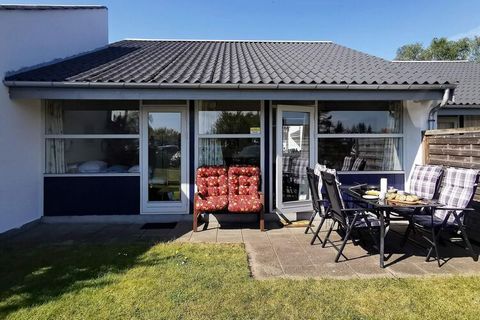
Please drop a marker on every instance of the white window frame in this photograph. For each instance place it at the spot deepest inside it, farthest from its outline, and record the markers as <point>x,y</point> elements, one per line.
<point>298,205</point>
<point>169,207</point>
<point>46,136</point>
<point>260,136</point>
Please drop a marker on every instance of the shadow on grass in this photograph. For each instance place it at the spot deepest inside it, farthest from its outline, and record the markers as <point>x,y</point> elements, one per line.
<point>38,275</point>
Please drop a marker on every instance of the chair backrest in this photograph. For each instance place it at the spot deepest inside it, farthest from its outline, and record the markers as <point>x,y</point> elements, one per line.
<point>212,181</point>
<point>458,190</point>
<point>347,163</point>
<point>298,169</point>
<point>359,164</point>
<point>313,185</point>
<point>425,181</point>
<point>243,180</point>
<point>334,197</point>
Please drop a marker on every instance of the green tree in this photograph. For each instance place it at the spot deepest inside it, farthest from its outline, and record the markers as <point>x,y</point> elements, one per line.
<point>442,49</point>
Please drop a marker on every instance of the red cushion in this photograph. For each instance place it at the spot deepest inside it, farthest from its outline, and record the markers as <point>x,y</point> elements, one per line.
<point>244,203</point>
<point>213,203</point>
<point>243,180</point>
<point>212,181</point>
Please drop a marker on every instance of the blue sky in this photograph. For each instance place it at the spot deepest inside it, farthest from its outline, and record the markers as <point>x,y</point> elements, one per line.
<point>375,27</point>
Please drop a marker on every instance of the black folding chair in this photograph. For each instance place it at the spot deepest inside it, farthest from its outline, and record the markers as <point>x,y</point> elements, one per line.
<point>350,220</point>
<point>319,206</point>
<point>459,186</point>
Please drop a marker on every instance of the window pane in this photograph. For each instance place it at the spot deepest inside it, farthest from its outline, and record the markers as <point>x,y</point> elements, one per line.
<point>164,156</point>
<point>91,155</point>
<point>359,117</point>
<point>295,155</point>
<point>91,117</point>
<point>243,151</point>
<point>229,117</point>
<point>378,154</point>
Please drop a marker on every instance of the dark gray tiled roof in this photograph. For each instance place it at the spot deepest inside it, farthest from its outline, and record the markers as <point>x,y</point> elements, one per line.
<point>228,62</point>
<point>466,73</point>
<point>46,7</point>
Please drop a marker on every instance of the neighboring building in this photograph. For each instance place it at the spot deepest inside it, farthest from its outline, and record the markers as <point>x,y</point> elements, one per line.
<point>464,110</point>
<point>120,131</point>
<point>32,35</point>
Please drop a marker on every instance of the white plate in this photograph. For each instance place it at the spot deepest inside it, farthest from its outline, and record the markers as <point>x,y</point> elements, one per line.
<point>370,197</point>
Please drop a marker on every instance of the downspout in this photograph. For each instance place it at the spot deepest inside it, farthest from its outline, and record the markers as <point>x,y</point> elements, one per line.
<point>434,110</point>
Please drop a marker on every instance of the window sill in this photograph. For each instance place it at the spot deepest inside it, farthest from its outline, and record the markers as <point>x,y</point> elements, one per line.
<point>103,174</point>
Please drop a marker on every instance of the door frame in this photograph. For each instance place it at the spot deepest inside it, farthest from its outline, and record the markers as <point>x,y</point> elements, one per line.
<point>173,207</point>
<point>299,205</point>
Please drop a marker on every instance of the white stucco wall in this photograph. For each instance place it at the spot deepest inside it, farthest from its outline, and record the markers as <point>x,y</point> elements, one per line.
<point>415,121</point>
<point>27,38</point>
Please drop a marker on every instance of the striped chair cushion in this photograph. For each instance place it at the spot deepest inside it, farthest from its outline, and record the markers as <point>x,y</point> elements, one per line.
<point>358,164</point>
<point>458,190</point>
<point>424,181</point>
<point>347,164</point>
<point>299,170</point>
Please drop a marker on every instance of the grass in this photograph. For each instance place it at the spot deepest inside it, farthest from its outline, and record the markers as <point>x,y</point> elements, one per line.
<point>205,281</point>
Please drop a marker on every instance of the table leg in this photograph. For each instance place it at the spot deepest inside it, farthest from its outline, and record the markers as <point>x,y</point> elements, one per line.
<point>382,238</point>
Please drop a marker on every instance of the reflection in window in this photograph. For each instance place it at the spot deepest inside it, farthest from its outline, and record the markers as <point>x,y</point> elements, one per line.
<point>91,156</point>
<point>91,117</point>
<point>229,117</point>
<point>356,154</point>
<point>164,156</point>
<point>227,151</point>
<point>344,117</point>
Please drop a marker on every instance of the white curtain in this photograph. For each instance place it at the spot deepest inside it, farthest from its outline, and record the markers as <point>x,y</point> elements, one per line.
<point>391,156</point>
<point>55,148</point>
<point>210,152</point>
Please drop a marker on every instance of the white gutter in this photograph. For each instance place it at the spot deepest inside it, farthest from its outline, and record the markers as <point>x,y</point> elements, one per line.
<point>117,85</point>
<point>434,110</point>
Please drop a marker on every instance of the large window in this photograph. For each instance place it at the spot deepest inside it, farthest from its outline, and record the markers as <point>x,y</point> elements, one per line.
<point>91,137</point>
<point>229,132</point>
<point>360,135</point>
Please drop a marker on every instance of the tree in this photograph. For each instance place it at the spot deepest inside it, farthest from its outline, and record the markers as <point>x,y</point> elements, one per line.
<point>412,51</point>
<point>442,49</point>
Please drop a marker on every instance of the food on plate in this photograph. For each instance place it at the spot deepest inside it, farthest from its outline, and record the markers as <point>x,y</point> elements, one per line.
<point>412,198</point>
<point>391,196</point>
<point>402,197</point>
<point>373,192</point>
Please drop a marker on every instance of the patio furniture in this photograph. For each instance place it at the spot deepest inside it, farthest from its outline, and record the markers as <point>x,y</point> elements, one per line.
<point>350,220</point>
<point>212,191</point>
<point>458,190</point>
<point>243,191</point>
<point>383,209</point>
<point>317,204</point>
<point>358,164</point>
<point>424,183</point>
<point>347,163</point>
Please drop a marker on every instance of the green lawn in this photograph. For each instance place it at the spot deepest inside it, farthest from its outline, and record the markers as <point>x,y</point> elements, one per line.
<point>200,281</point>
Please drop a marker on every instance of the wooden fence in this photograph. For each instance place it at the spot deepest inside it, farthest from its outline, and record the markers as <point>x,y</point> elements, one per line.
<point>456,148</point>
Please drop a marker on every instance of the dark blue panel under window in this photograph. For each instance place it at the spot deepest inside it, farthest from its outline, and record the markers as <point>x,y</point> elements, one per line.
<point>91,196</point>
<point>394,179</point>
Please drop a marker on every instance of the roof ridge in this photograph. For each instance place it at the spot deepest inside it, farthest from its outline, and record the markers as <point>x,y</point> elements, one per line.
<point>227,40</point>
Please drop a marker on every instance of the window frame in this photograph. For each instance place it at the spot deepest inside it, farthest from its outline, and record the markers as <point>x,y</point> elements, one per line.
<point>46,136</point>
<point>260,136</point>
<point>401,136</point>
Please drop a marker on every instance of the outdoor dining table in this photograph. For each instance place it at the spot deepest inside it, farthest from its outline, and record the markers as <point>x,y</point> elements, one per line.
<point>383,208</point>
